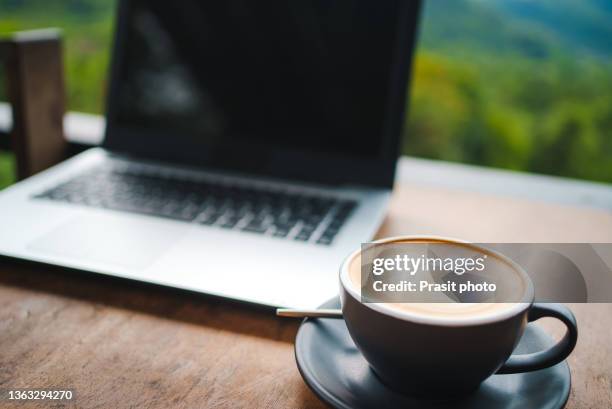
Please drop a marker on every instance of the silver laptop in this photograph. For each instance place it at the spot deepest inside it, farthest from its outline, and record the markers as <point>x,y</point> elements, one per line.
<point>250,146</point>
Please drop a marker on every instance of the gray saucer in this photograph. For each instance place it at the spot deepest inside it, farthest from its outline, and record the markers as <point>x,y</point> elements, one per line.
<point>334,369</point>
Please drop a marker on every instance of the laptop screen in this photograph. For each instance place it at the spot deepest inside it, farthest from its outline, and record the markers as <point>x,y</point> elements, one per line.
<point>235,76</point>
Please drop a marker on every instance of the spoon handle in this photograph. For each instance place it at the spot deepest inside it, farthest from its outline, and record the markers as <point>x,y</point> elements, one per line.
<point>322,313</point>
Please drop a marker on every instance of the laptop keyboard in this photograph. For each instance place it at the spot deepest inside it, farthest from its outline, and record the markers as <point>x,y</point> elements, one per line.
<point>235,206</point>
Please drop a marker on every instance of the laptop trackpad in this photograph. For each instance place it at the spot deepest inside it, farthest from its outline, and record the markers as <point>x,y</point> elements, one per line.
<point>132,242</point>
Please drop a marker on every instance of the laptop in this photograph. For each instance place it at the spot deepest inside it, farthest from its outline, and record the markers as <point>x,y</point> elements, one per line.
<point>249,147</point>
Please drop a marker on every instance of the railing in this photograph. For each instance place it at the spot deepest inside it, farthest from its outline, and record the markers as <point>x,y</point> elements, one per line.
<point>79,128</point>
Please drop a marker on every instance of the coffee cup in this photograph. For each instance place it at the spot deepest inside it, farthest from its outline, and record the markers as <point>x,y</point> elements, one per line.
<point>429,353</point>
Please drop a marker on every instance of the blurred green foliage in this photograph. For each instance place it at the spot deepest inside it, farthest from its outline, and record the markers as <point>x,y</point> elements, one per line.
<point>7,169</point>
<point>505,83</point>
<point>87,26</point>
<point>536,116</point>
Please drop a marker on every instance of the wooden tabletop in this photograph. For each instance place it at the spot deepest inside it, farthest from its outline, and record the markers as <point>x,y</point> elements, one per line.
<point>122,344</point>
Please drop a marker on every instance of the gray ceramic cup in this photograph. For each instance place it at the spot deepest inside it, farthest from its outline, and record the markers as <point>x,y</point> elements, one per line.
<point>439,357</point>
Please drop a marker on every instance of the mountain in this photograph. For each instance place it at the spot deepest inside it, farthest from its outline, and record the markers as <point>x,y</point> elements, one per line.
<point>536,29</point>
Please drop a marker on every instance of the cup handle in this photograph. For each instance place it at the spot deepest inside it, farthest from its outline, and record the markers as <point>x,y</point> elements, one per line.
<point>553,355</point>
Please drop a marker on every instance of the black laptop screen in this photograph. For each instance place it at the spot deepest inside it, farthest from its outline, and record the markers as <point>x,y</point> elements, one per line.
<point>301,76</point>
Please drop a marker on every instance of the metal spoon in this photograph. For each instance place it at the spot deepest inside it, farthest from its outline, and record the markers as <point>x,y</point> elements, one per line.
<point>322,313</point>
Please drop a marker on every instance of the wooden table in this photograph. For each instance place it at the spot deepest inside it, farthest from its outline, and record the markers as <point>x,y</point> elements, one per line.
<point>123,344</point>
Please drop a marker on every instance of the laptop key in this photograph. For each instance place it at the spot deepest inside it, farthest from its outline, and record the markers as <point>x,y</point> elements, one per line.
<point>255,228</point>
<point>344,210</point>
<point>209,219</point>
<point>304,233</point>
<point>325,240</point>
<point>229,222</point>
<point>280,233</point>
<point>302,237</point>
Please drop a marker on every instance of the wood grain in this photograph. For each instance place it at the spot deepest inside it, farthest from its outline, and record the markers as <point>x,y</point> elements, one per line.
<point>122,344</point>
<point>35,89</point>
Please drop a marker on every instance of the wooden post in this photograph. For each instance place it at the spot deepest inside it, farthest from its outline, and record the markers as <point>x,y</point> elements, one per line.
<point>35,88</point>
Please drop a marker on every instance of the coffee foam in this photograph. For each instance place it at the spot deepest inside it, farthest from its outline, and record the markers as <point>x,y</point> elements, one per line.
<point>445,309</point>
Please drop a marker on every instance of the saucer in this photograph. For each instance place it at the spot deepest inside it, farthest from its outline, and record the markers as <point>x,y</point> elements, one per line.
<point>334,369</point>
